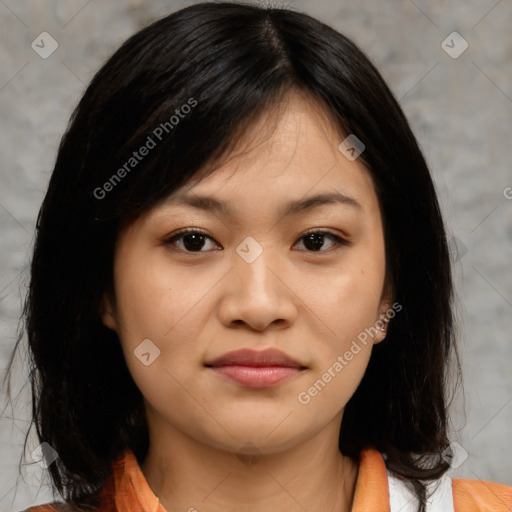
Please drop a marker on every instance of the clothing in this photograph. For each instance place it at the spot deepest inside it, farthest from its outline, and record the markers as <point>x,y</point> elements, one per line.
<point>376,491</point>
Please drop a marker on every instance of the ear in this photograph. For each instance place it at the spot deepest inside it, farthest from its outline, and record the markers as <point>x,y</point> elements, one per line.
<point>386,312</point>
<point>107,312</point>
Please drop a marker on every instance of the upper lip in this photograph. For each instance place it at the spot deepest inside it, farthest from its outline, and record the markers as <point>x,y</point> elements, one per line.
<point>249,357</point>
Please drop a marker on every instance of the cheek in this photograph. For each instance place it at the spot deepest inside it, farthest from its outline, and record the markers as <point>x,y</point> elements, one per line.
<point>356,299</point>
<point>156,300</point>
<point>168,306</point>
<point>348,313</point>
<point>346,299</point>
<point>346,304</point>
<point>331,386</point>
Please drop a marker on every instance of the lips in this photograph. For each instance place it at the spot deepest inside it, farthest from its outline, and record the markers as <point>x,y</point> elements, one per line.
<point>248,357</point>
<point>255,369</point>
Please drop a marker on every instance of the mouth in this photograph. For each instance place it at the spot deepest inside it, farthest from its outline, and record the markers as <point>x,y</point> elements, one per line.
<point>256,369</point>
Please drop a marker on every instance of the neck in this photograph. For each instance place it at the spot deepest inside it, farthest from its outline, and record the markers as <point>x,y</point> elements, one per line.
<point>188,475</point>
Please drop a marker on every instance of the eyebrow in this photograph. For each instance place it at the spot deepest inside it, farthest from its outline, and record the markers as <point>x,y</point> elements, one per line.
<point>293,207</point>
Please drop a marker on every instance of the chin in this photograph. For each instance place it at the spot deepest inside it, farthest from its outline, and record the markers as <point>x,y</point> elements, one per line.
<point>261,438</point>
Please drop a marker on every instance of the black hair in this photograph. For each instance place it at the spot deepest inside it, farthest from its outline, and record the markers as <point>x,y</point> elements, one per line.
<point>227,63</point>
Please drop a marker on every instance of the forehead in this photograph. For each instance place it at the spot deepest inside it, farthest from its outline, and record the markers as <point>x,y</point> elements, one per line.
<point>290,152</point>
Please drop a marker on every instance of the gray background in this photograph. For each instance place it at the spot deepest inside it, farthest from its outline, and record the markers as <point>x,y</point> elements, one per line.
<point>460,110</point>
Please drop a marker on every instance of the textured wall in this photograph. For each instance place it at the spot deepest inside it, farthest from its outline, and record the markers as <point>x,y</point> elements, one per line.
<point>460,107</point>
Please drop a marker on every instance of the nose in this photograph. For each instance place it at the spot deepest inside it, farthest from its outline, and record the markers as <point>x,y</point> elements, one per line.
<point>258,293</point>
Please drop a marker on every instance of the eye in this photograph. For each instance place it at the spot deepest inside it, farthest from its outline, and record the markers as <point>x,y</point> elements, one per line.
<point>315,239</point>
<point>193,240</point>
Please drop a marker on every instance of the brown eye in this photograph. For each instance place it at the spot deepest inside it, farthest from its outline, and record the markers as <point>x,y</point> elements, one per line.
<point>314,240</point>
<point>192,240</point>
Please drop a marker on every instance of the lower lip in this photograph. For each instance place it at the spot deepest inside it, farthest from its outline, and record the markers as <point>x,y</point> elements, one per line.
<point>256,376</point>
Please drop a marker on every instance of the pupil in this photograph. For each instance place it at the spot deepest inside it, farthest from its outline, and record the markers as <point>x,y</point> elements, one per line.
<point>197,241</point>
<point>316,239</point>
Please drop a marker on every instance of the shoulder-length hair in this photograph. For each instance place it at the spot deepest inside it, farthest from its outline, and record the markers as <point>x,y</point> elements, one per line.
<point>228,63</point>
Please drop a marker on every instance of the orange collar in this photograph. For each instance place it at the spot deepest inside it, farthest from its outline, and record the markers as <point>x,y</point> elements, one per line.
<point>128,489</point>
<point>372,492</point>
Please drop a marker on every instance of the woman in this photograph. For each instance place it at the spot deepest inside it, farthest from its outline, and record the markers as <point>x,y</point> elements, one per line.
<point>241,294</point>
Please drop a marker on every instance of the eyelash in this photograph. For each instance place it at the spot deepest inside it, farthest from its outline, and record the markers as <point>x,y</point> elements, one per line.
<point>338,240</point>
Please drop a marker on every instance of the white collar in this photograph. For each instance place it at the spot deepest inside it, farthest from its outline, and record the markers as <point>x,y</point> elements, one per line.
<point>403,499</point>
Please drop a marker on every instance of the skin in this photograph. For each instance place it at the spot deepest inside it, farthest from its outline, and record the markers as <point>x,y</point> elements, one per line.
<point>196,306</point>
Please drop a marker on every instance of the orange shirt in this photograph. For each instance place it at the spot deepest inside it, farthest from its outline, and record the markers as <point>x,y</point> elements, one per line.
<point>127,490</point>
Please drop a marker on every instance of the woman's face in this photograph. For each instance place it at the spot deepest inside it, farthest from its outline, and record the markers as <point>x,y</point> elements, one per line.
<point>256,280</point>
